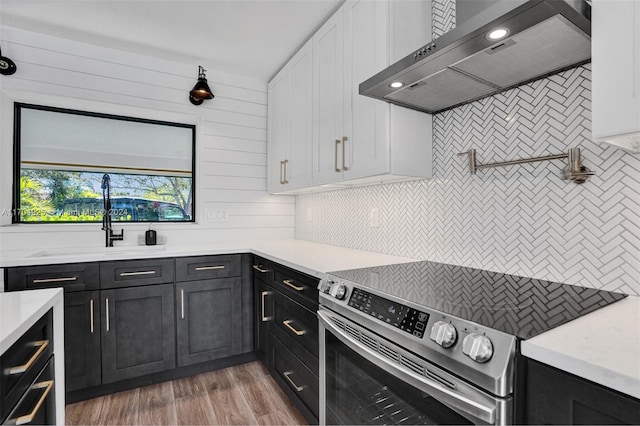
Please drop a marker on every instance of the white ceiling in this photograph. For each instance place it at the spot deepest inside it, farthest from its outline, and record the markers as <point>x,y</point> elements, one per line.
<point>248,37</point>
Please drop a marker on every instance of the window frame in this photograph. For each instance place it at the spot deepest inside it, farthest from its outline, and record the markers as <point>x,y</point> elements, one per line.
<point>15,186</point>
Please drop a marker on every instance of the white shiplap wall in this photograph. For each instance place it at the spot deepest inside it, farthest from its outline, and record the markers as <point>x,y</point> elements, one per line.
<point>230,144</point>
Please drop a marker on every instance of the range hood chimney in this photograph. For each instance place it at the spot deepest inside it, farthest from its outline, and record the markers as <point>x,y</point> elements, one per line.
<point>470,62</point>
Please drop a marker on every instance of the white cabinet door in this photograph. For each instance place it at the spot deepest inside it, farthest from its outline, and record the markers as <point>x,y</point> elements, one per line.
<point>366,119</point>
<point>328,95</point>
<point>299,166</point>
<point>615,44</point>
<point>278,130</point>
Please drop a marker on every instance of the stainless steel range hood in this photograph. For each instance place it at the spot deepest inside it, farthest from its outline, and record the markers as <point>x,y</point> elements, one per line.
<point>463,65</point>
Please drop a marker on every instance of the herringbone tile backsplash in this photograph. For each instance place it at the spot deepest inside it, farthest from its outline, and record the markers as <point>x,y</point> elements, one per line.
<point>522,220</point>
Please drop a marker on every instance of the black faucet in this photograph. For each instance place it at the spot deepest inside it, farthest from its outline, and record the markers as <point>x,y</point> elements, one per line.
<point>110,236</point>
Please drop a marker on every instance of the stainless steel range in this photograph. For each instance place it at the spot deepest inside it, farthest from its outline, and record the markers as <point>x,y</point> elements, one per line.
<point>430,343</point>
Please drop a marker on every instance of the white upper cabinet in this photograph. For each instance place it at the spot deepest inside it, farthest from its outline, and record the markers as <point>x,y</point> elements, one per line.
<point>290,124</point>
<point>615,44</point>
<point>328,99</point>
<point>321,130</point>
<point>358,139</point>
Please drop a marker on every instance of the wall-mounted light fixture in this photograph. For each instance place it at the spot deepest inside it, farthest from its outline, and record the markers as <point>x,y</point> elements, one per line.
<point>7,66</point>
<point>201,90</point>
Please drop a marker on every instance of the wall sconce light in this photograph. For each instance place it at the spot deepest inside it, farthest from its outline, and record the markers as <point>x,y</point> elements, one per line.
<point>201,90</point>
<point>7,66</point>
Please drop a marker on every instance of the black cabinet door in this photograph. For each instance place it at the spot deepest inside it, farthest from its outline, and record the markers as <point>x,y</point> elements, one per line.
<point>557,397</point>
<point>138,334</point>
<point>209,319</point>
<point>82,340</point>
<point>263,314</point>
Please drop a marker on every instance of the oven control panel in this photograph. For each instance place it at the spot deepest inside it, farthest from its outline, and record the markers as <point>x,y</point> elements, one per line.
<point>407,319</point>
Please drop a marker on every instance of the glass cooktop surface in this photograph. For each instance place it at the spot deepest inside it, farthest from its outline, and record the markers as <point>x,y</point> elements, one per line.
<point>523,307</point>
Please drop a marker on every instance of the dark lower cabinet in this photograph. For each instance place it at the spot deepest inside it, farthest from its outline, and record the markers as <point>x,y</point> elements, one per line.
<point>557,397</point>
<point>286,302</point>
<point>82,340</point>
<point>208,319</point>
<point>138,335</point>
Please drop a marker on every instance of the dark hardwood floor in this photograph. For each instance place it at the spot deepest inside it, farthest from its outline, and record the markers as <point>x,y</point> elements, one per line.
<point>239,395</point>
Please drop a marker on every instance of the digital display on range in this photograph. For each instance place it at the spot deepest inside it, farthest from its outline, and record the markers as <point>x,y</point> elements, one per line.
<point>398,315</point>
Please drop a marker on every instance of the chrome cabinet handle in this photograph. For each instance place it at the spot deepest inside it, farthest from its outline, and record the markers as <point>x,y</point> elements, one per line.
<point>28,418</point>
<point>284,180</point>
<point>287,323</point>
<point>130,274</point>
<point>335,160</point>
<point>209,268</point>
<point>19,369</point>
<point>259,269</point>
<point>91,315</point>
<point>106,306</point>
<point>182,303</point>
<point>344,147</point>
<point>292,285</point>
<point>286,375</point>
<point>54,280</point>
<point>264,296</point>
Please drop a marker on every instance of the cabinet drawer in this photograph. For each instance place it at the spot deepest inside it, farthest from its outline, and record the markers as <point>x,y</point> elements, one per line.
<point>37,405</point>
<point>295,324</point>
<point>205,267</point>
<point>130,273</point>
<point>72,277</point>
<point>22,362</point>
<point>297,380</point>
<point>262,270</point>
<point>300,287</point>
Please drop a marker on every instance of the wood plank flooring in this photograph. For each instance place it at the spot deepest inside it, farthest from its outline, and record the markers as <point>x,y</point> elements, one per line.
<point>240,395</point>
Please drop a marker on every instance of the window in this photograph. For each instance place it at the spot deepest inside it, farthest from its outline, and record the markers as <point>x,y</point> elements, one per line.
<point>62,155</point>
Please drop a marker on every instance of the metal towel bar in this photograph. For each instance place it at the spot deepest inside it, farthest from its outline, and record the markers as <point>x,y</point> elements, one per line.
<point>574,171</point>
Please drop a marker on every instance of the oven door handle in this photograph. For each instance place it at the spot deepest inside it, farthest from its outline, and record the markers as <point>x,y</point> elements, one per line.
<point>447,396</point>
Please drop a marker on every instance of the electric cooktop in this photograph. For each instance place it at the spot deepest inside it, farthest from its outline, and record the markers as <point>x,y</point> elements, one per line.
<point>523,307</point>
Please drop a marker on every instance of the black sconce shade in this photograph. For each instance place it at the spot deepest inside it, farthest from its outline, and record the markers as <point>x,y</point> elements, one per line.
<point>201,90</point>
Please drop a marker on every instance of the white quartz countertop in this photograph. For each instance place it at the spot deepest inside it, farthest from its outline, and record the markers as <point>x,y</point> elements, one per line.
<point>21,309</point>
<point>305,256</point>
<point>603,346</point>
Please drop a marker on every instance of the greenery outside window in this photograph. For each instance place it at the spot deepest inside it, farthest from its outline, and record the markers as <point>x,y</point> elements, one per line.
<point>61,156</point>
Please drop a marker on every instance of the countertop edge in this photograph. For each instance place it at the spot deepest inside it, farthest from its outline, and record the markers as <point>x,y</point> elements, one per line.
<point>626,384</point>
<point>584,346</point>
<point>48,302</point>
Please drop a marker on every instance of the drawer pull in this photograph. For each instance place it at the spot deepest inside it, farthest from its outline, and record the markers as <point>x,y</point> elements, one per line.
<point>292,285</point>
<point>209,268</point>
<point>264,296</point>
<point>41,345</point>
<point>287,323</point>
<point>286,375</point>
<point>28,418</point>
<point>260,269</point>
<point>54,280</point>
<point>130,274</point>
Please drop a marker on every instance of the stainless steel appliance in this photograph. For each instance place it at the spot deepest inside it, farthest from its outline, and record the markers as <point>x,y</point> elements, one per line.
<point>496,45</point>
<point>429,343</point>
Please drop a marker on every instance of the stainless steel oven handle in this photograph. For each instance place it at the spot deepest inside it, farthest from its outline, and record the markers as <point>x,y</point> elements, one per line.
<point>447,396</point>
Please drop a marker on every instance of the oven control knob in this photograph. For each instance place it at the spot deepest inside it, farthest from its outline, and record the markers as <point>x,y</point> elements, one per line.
<point>325,285</point>
<point>443,334</point>
<point>339,291</point>
<point>477,347</point>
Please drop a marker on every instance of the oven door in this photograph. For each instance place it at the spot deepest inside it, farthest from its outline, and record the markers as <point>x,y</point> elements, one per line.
<point>366,379</point>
